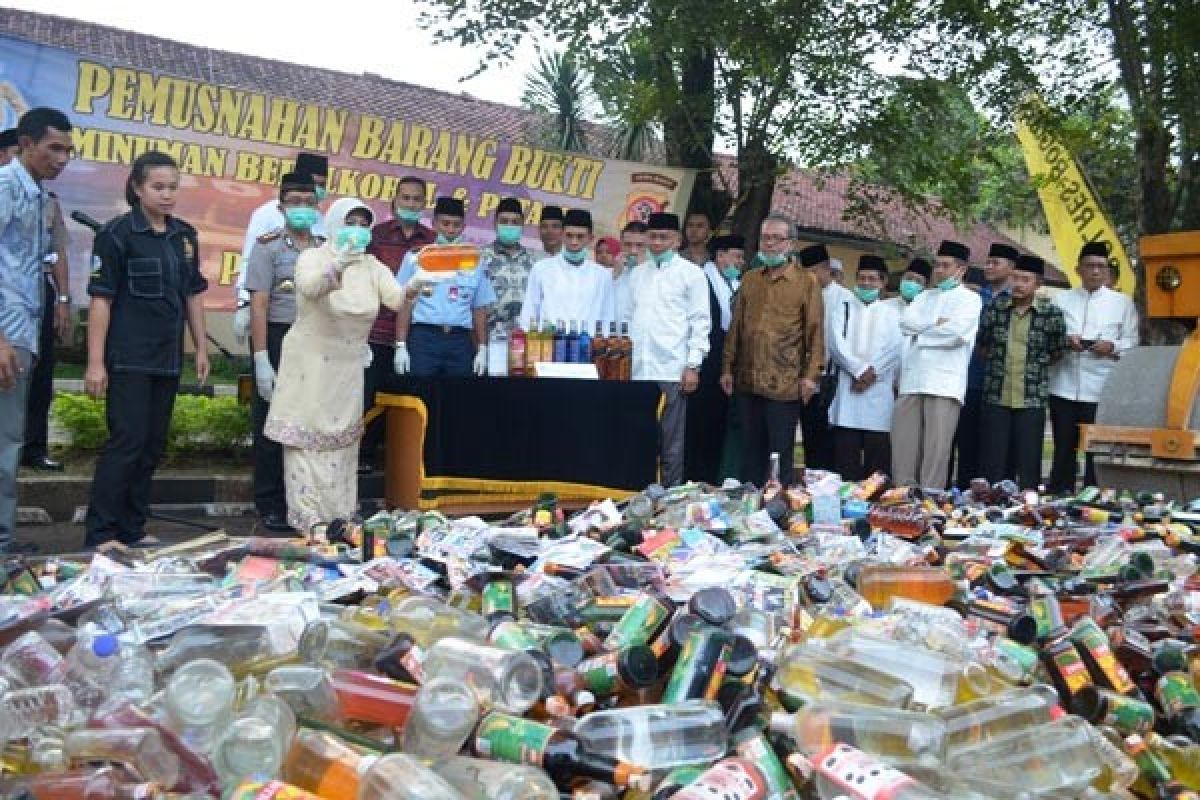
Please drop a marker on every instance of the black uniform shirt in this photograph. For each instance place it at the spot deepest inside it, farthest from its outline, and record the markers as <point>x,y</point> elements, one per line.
<point>149,277</point>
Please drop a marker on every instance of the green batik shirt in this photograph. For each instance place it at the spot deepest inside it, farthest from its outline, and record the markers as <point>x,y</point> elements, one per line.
<point>1018,351</point>
<point>508,268</point>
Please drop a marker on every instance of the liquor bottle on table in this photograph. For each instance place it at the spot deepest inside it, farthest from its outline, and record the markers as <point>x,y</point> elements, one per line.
<point>626,361</point>
<point>585,344</point>
<point>560,343</point>
<point>600,351</point>
<point>518,347</point>
<point>572,348</point>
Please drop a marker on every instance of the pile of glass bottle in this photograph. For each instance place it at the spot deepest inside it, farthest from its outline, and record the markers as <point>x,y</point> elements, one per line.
<point>834,641</point>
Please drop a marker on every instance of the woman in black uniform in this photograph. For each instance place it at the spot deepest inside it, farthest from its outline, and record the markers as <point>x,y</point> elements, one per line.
<point>145,287</point>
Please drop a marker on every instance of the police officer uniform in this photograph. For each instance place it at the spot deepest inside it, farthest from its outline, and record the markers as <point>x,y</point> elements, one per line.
<point>439,338</point>
<point>272,268</point>
<point>148,276</point>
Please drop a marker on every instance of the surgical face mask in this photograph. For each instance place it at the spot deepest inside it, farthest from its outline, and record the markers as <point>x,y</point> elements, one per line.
<point>664,257</point>
<point>444,239</point>
<point>731,272</point>
<point>508,234</point>
<point>772,259</point>
<point>631,261</point>
<point>354,238</point>
<point>301,218</point>
<point>408,216</point>
<point>866,295</point>
<point>948,284</point>
<point>574,256</point>
<point>321,193</point>
<point>910,289</point>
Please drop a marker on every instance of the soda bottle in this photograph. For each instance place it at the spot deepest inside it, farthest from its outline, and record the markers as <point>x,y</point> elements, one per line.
<point>562,754</point>
<point>140,748</point>
<point>560,342</point>
<point>199,702</point>
<point>479,779</point>
<point>196,773</point>
<point>585,344</point>
<point>573,343</point>
<point>517,344</point>
<point>657,737</point>
<point>773,486</point>
<point>501,679</point>
<point>322,764</point>
<point>626,362</point>
<point>133,677</point>
<point>399,776</point>
<point>444,714</point>
<point>600,351</point>
<point>1182,757</point>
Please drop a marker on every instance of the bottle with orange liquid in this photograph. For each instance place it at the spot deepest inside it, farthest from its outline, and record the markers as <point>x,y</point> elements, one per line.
<point>374,699</point>
<point>440,262</point>
<point>879,583</point>
<point>613,348</point>
<point>600,351</point>
<point>626,359</point>
<point>324,765</point>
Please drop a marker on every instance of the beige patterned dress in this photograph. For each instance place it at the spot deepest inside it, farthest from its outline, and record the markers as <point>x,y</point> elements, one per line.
<point>316,410</point>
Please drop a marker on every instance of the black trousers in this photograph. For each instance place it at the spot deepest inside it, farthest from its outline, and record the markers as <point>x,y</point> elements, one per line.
<point>768,426</point>
<point>1065,418</point>
<point>967,440</point>
<point>376,378</point>
<point>139,416</point>
<point>41,382</point>
<point>1012,444</point>
<point>858,453</point>
<point>814,426</point>
<point>270,498</point>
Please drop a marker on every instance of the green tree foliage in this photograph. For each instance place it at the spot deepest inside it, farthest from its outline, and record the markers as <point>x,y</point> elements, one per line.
<point>559,89</point>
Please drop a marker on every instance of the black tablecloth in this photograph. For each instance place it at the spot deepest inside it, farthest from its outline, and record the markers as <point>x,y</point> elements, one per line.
<point>597,433</point>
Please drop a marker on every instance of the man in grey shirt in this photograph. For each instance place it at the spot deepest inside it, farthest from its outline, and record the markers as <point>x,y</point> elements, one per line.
<point>44,138</point>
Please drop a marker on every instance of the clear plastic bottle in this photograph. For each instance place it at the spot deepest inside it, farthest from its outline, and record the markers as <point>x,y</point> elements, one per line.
<point>30,660</point>
<point>442,718</point>
<point>133,677</point>
<point>895,735</point>
<point>657,737</point>
<point>256,742</point>
<point>503,679</point>
<point>90,667</point>
<point>812,671</point>
<point>24,710</point>
<point>982,720</point>
<point>934,676</point>
<point>199,702</point>
<point>480,779</point>
<point>401,777</point>
<point>308,690</point>
<point>140,748</point>
<point>323,764</point>
<point>232,645</point>
<point>1052,757</point>
<point>427,620</point>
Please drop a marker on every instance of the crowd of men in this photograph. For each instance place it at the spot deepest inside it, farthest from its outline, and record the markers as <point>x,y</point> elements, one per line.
<point>745,347</point>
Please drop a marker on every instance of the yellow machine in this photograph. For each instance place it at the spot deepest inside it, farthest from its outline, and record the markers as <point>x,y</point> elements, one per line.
<point>1139,440</point>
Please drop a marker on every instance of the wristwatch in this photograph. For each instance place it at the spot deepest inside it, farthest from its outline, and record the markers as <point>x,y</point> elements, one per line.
<point>63,300</point>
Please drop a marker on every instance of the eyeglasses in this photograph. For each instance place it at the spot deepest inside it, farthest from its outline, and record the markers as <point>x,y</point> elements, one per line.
<point>774,238</point>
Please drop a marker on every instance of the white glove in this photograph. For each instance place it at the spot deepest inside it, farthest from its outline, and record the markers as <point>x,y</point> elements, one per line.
<point>400,360</point>
<point>264,375</point>
<point>481,361</point>
<point>368,356</point>
<point>241,324</point>
<point>342,256</point>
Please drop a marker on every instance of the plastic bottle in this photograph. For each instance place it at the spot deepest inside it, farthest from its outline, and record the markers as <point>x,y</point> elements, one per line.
<point>657,737</point>
<point>1051,757</point>
<point>199,702</point>
<point>585,344</point>
<point>196,772</point>
<point>24,710</point>
<point>133,677</point>
<point>814,672</point>
<point>983,720</point>
<point>501,679</point>
<point>88,783</point>
<point>497,352</point>
<point>90,667</point>
<point>30,660</point>
<point>140,748</point>
<point>934,676</point>
<point>232,645</point>
<point>323,764</point>
<point>373,699</point>
<point>256,742</point>
<point>427,620</point>
<point>308,690</point>
<point>560,342</point>
<point>444,714</point>
<point>517,344</point>
<point>879,583</point>
<point>1182,757</point>
<point>480,779</point>
<point>896,735</point>
<point>399,776</point>
<point>573,343</point>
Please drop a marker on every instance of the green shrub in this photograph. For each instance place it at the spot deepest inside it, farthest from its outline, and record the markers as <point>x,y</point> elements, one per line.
<point>198,424</point>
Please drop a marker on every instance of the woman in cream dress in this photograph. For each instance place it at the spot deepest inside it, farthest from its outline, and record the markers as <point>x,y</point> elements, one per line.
<point>316,411</point>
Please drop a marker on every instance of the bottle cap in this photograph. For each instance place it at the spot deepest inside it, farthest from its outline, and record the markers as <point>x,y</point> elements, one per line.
<point>105,645</point>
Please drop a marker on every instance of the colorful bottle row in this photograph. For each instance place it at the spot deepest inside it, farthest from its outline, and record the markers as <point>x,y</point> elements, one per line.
<point>559,343</point>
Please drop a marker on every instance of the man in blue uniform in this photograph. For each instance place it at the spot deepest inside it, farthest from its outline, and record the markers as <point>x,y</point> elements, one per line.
<point>444,332</point>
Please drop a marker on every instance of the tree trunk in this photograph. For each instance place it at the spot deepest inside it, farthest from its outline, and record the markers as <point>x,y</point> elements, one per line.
<point>688,129</point>
<point>757,167</point>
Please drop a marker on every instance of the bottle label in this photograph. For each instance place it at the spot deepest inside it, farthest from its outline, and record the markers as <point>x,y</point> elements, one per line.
<point>413,662</point>
<point>1046,612</point>
<point>1176,694</point>
<point>1067,663</point>
<point>510,635</point>
<point>1088,636</point>
<point>498,598</point>
<point>860,776</point>
<point>758,751</point>
<point>600,674</point>
<point>638,624</point>
<point>1128,715</point>
<point>513,739</point>
<point>271,790</point>
<point>730,779</point>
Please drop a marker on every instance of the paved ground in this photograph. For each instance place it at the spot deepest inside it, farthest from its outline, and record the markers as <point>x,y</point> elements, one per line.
<point>67,537</point>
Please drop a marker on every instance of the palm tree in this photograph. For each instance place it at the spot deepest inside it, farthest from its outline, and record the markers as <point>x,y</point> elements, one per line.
<point>560,89</point>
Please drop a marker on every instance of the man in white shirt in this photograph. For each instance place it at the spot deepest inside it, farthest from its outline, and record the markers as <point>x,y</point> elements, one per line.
<point>1101,324</point>
<point>669,325</point>
<point>550,230</point>
<point>633,252</point>
<point>864,345</point>
<point>940,327</point>
<point>569,287</point>
<point>267,218</point>
<point>814,416</point>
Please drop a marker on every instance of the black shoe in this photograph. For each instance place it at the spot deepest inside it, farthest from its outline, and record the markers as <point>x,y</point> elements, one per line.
<point>42,463</point>
<point>276,523</point>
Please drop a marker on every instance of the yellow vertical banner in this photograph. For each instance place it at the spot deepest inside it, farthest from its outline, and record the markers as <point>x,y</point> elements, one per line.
<point>1072,210</point>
